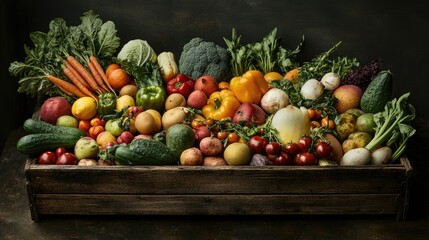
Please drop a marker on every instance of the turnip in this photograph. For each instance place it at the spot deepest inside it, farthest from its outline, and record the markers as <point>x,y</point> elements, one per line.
<point>330,81</point>
<point>381,156</point>
<point>273,100</point>
<point>312,89</point>
<point>356,156</point>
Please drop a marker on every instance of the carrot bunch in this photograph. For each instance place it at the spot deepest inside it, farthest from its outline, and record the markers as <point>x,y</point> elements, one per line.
<point>83,82</point>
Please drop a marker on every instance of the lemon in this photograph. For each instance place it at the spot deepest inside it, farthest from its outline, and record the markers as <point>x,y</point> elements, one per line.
<point>124,101</point>
<point>84,108</point>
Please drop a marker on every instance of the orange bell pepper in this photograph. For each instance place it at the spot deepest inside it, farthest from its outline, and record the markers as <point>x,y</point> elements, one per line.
<point>250,87</point>
<point>221,104</point>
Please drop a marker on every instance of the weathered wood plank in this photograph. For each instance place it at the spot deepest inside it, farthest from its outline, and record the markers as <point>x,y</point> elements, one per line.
<point>215,180</point>
<point>89,204</point>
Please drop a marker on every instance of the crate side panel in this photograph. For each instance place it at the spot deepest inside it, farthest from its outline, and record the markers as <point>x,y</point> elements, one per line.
<point>203,180</point>
<point>217,204</point>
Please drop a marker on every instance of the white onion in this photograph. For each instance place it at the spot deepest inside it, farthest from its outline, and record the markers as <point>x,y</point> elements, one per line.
<point>312,89</point>
<point>273,100</point>
<point>331,81</point>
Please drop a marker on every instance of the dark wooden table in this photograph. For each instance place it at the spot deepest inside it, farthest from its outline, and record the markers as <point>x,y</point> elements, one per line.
<point>16,223</point>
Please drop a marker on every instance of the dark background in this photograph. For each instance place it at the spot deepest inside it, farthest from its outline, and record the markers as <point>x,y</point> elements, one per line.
<point>395,32</point>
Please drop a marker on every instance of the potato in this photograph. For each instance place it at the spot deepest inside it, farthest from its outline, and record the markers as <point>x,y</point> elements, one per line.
<point>175,100</point>
<point>129,89</point>
<point>211,146</point>
<point>214,161</point>
<point>173,116</point>
<point>191,157</point>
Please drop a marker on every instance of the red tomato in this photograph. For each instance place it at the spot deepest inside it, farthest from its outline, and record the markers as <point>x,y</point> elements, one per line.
<point>47,157</point>
<point>292,148</point>
<point>323,150</point>
<point>305,158</point>
<point>257,144</point>
<point>67,159</point>
<point>304,144</point>
<point>273,148</point>
<point>59,151</point>
<point>283,159</point>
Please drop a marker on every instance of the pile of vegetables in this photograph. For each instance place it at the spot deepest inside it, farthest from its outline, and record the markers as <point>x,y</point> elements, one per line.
<point>238,104</point>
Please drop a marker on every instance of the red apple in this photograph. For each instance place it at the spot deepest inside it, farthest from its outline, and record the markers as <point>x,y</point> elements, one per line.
<point>53,108</point>
<point>249,113</point>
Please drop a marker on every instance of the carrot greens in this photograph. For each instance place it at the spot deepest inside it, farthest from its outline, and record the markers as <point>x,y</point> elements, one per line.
<point>49,50</point>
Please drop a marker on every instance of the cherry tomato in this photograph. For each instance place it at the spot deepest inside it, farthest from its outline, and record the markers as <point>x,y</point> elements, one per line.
<point>283,159</point>
<point>305,158</point>
<point>326,122</point>
<point>59,151</point>
<point>222,135</point>
<point>196,123</point>
<point>257,144</point>
<point>304,143</point>
<point>272,157</point>
<point>323,149</point>
<point>292,148</point>
<point>47,157</point>
<point>67,159</point>
<point>273,148</point>
<point>233,137</point>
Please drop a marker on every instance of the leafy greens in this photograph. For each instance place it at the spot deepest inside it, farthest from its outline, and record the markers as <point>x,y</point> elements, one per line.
<point>46,56</point>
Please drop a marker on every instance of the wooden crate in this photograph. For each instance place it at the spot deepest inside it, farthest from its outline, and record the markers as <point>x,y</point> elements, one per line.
<point>226,190</point>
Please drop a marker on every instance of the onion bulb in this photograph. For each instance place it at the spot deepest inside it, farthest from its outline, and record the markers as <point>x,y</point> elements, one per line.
<point>292,123</point>
<point>312,89</point>
<point>273,100</point>
<point>331,81</point>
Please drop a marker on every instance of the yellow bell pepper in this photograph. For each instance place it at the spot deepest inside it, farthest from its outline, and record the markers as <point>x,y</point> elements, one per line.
<point>250,87</point>
<point>221,104</point>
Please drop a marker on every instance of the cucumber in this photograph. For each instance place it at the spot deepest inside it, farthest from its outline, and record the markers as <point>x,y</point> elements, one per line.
<point>144,152</point>
<point>378,93</point>
<point>39,142</point>
<point>37,126</point>
<point>179,137</point>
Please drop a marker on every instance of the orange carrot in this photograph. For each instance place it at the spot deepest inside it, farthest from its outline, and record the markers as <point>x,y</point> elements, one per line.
<point>68,87</point>
<point>100,70</point>
<point>77,83</point>
<point>74,72</point>
<point>97,77</point>
<point>84,73</point>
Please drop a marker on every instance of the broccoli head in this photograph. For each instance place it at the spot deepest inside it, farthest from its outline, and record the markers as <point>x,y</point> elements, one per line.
<point>200,58</point>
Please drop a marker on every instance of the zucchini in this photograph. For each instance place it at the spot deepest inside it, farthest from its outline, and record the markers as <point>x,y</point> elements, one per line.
<point>39,142</point>
<point>144,152</point>
<point>378,93</point>
<point>37,126</point>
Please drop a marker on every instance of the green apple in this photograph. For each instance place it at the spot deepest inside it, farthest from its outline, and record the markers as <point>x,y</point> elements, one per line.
<point>67,121</point>
<point>112,125</point>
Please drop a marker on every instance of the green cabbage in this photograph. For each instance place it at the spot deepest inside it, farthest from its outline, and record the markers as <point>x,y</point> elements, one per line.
<point>138,52</point>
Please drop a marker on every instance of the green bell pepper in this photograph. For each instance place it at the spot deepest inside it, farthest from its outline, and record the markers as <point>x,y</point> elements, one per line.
<point>106,103</point>
<point>151,97</point>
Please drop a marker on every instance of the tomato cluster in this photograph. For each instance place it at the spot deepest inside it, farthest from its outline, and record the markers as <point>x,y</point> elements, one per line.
<point>59,157</point>
<point>305,152</point>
